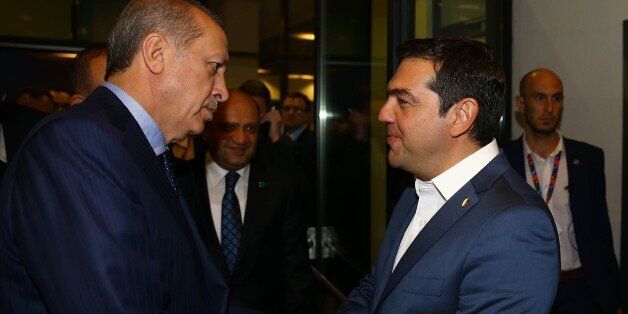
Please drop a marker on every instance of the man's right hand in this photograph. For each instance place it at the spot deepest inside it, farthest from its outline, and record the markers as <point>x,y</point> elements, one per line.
<point>276,121</point>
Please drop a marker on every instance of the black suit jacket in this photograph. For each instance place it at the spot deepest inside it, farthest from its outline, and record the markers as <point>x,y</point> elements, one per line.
<point>270,274</point>
<point>587,200</point>
<point>89,224</point>
<point>17,121</point>
<point>304,150</point>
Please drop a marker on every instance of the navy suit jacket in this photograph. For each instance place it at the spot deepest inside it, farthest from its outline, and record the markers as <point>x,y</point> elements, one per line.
<point>89,224</point>
<point>587,201</point>
<point>499,253</point>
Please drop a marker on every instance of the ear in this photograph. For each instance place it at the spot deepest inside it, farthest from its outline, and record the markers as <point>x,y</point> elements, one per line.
<point>463,116</point>
<point>154,47</point>
<point>520,104</point>
<point>76,99</point>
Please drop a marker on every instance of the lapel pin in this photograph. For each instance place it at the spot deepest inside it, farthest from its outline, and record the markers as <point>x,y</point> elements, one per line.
<point>576,161</point>
<point>261,184</point>
<point>465,202</point>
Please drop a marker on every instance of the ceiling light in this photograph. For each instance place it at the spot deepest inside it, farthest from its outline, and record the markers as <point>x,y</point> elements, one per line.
<point>308,77</point>
<point>304,36</point>
<point>64,55</point>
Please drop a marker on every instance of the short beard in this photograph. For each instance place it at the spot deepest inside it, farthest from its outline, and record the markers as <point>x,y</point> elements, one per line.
<point>537,130</point>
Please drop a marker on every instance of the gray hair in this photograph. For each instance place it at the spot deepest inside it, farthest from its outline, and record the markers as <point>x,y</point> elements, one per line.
<point>171,18</point>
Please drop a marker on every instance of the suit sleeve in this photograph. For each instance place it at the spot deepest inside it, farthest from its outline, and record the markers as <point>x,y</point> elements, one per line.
<point>297,279</point>
<point>513,266</point>
<point>360,299</point>
<point>80,231</point>
<point>603,221</point>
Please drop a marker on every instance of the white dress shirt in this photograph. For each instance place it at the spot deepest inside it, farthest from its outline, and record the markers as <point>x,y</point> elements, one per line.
<point>559,203</point>
<point>215,176</point>
<point>435,193</point>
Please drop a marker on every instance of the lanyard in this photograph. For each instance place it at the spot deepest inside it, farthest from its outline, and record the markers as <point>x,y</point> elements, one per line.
<point>535,176</point>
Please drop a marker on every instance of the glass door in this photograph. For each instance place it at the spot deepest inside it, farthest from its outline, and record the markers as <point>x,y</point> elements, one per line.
<point>351,165</point>
<point>355,188</point>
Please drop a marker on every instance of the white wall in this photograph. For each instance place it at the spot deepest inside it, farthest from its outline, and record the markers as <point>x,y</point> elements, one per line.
<point>582,41</point>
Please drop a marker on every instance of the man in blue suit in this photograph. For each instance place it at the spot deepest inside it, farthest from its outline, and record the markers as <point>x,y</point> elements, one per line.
<point>91,220</point>
<point>471,236</point>
<point>570,177</point>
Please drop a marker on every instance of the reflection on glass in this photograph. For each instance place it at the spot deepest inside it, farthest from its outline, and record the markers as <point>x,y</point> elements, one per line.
<point>42,19</point>
<point>351,151</point>
<point>95,18</point>
<point>451,18</point>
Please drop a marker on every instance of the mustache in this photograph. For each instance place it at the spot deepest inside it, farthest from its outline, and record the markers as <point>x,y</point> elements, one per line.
<point>212,103</point>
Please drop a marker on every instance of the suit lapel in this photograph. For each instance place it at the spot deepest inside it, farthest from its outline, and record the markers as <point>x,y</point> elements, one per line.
<point>205,218</point>
<point>138,146</point>
<point>574,167</point>
<point>384,276</point>
<point>253,212</point>
<point>444,219</point>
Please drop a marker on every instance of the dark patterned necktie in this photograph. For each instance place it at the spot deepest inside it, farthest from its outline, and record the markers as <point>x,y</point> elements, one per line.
<point>165,160</point>
<point>231,221</point>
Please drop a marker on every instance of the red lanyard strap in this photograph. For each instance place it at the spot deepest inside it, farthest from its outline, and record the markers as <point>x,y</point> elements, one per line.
<point>535,176</point>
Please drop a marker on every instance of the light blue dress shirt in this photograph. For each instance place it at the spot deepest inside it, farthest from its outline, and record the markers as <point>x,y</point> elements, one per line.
<point>150,129</point>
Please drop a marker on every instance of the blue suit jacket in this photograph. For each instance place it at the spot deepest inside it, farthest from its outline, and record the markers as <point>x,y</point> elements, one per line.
<point>88,223</point>
<point>587,201</point>
<point>499,253</point>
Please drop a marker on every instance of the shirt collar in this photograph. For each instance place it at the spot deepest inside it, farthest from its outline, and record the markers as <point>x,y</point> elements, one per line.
<point>295,135</point>
<point>559,147</point>
<point>217,174</point>
<point>151,130</point>
<point>423,187</point>
<point>450,181</point>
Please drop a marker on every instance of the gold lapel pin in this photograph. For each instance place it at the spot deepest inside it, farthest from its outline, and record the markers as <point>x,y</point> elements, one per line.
<point>576,161</point>
<point>465,202</point>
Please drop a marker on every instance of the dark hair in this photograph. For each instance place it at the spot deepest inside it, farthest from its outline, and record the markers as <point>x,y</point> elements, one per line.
<point>308,103</point>
<point>464,68</point>
<point>256,88</point>
<point>172,18</point>
<point>81,79</point>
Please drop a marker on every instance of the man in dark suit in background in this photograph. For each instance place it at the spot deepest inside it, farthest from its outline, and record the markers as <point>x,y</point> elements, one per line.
<point>297,114</point>
<point>250,215</point>
<point>471,236</point>
<point>90,218</point>
<point>15,123</point>
<point>569,175</point>
<point>88,72</point>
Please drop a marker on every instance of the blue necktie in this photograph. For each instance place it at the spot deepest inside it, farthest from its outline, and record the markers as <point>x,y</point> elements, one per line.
<point>165,160</point>
<point>231,221</point>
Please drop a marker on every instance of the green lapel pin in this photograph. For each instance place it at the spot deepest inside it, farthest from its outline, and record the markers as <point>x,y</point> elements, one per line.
<point>261,184</point>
